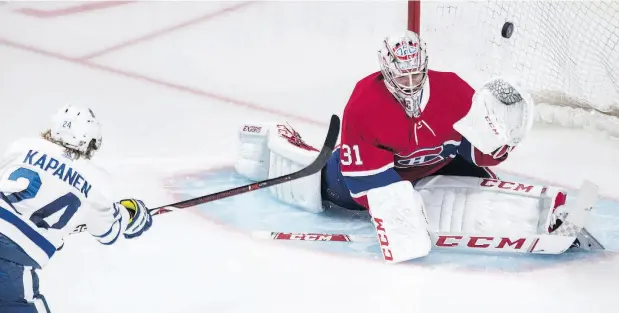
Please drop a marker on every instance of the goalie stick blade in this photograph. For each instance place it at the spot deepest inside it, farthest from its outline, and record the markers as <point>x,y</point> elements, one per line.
<point>315,167</point>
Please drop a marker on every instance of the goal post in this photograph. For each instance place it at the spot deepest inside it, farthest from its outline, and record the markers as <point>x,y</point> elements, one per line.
<point>565,52</point>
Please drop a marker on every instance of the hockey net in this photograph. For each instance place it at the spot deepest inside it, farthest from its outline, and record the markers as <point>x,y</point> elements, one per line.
<point>565,53</point>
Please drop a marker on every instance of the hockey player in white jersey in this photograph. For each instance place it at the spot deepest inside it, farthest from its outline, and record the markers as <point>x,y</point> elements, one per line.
<point>48,186</point>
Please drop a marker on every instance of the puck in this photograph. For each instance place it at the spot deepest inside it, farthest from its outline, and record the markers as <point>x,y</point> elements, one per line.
<point>508,30</point>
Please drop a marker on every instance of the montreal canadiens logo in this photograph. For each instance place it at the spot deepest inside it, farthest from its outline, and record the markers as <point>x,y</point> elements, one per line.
<point>428,156</point>
<point>405,52</point>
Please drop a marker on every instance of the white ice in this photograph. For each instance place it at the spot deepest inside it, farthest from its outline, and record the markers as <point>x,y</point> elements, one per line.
<point>171,104</point>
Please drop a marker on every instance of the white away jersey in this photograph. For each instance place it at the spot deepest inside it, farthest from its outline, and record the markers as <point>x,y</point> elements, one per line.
<point>45,194</point>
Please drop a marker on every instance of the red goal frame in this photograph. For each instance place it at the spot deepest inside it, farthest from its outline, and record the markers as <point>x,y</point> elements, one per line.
<point>414,8</point>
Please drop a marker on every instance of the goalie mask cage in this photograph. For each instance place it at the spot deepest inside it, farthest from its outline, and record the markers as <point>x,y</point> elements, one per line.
<point>565,53</point>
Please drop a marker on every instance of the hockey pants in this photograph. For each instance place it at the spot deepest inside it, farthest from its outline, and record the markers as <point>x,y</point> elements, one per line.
<point>19,285</point>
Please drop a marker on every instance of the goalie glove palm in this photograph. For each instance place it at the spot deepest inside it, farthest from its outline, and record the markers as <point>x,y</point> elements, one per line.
<point>140,218</point>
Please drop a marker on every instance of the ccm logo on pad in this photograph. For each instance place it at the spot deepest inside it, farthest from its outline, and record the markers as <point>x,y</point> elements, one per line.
<point>501,184</point>
<point>490,243</point>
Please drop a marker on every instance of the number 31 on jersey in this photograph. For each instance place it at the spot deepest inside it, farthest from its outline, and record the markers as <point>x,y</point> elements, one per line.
<point>350,155</point>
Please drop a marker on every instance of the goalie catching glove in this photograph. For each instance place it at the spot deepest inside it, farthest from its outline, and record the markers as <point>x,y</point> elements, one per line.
<point>501,115</point>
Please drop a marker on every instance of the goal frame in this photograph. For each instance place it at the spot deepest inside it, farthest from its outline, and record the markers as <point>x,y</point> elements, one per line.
<point>565,114</point>
<point>414,13</point>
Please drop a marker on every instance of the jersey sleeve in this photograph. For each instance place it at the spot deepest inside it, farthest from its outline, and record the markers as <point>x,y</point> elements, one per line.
<point>364,163</point>
<point>473,155</point>
<point>106,219</point>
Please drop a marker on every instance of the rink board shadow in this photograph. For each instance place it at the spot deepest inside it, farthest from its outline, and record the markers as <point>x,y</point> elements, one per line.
<point>258,210</point>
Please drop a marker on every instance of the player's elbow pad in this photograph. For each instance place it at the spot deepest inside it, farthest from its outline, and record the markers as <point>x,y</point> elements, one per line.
<point>268,151</point>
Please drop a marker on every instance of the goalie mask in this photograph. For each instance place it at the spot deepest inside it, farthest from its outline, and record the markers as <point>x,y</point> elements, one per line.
<point>404,65</point>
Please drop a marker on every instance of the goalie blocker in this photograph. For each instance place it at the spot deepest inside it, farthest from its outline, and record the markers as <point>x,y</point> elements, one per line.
<point>493,214</point>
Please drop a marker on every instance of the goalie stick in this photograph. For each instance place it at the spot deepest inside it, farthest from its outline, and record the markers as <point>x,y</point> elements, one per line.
<point>446,241</point>
<point>558,241</point>
<point>316,166</point>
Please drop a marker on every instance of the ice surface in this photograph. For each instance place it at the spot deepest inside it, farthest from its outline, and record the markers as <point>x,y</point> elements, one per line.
<point>171,103</point>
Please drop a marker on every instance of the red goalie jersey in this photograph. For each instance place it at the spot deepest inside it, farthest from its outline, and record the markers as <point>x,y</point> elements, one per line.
<point>381,144</point>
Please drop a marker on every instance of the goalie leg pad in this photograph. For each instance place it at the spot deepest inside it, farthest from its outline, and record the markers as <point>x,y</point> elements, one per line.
<point>252,160</point>
<point>289,153</point>
<point>269,151</point>
<point>481,205</point>
<point>398,214</point>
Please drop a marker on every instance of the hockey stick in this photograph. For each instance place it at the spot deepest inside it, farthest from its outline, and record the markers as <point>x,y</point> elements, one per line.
<point>556,242</point>
<point>445,241</point>
<point>315,167</point>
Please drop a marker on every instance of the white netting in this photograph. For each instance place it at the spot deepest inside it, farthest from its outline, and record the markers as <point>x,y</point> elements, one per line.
<point>566,53</point>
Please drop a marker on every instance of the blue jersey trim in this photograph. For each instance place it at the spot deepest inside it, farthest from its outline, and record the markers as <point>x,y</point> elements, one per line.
<point>466,150</point>
<point>27,230</point>
<point>358,184</point>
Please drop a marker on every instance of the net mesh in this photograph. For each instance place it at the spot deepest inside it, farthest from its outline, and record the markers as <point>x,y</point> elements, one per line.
<point>565,53</point>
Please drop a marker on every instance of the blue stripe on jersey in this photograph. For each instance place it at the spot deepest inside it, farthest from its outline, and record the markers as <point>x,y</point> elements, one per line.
<point>35,237</point>
<point>108,232</point>
<point>357,184</point>
<point>115,237</point>
<point>466,151</point>
<point>102,238</point>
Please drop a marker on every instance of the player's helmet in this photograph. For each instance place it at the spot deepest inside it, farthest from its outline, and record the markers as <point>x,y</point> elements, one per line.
<point>76,128</point>
<point>404,65</point>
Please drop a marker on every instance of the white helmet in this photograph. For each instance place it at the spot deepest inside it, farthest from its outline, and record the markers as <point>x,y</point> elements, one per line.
<point>404,65</point>
<point>76,128</point>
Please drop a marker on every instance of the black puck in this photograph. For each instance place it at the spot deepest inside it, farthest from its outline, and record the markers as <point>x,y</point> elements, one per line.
<point>508,30</point>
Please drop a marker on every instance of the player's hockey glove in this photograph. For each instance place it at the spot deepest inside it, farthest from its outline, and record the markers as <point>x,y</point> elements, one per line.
<point>140,219</point>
